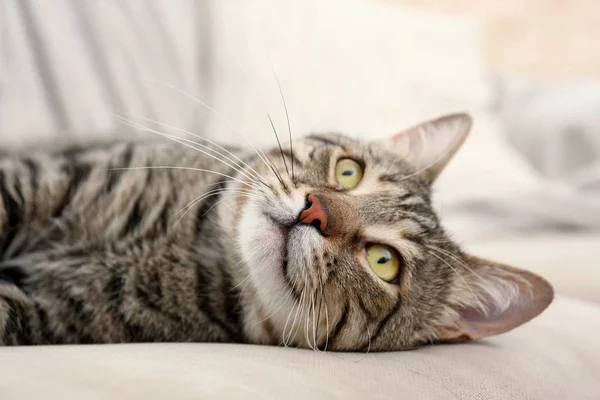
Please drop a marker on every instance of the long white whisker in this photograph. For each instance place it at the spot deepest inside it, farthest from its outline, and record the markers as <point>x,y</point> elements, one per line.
<point>283,338</point>
<point>211,193</point>
<point>235,166</point>
<point>455,258</point>
<point>369,346</point>
<point>239,160</point>
<point>279,144</point>
<point>222,117</point>
<point>315,323</point>
<point>294,329</point>
<point>308,315</point>
<point>182,142</point>
<point>274,310</point>
<point>460,276</point>
<point>243,280</point>
<point>298,307</point>
<point>287,116</point>
<point>183,168</point>
<point>198,201</point>
<point>191,205</point>
<point>232,197</point>
<point>326,326</point>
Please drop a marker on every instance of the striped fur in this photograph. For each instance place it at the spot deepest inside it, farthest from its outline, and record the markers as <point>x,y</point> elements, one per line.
<point>98,246</point>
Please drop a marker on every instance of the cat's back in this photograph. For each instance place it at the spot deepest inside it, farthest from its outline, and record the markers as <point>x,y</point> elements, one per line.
<point>103,242</point>
<point>105,192</point>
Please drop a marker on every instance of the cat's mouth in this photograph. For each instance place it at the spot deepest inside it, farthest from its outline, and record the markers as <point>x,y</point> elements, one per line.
<point>284,231</point>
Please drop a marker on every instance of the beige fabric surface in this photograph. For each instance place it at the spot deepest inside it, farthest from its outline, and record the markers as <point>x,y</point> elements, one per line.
<point>569,260</point>
<point>556,356</point>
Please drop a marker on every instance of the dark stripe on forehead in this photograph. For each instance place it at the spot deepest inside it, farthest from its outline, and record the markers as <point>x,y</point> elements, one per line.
<point>292,156</point>
<point>397,177</point>
<point>324,140</point>
<point>387,208</point>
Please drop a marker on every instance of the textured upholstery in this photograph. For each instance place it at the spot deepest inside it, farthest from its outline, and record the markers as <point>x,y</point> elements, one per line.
<point>553,357</point>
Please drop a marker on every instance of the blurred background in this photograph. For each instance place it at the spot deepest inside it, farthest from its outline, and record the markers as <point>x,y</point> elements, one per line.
<point>525,189</point>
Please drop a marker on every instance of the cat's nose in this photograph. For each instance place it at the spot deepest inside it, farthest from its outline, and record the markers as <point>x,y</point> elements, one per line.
<point>315,213</point>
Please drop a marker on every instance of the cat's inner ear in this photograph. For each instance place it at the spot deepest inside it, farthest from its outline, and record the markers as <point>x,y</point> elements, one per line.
<point>430,145</point>
<point>493,298</point>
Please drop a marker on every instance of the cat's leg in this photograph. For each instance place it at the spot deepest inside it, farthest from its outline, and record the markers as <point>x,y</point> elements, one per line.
<point>29,191</point>
<point>19,319</point>
<point>34,191</point>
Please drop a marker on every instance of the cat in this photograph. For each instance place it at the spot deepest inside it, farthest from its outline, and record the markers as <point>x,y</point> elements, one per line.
<point>326,243</point>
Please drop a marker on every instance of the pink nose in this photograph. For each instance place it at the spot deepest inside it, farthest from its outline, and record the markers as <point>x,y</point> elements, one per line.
<point>315,213</point>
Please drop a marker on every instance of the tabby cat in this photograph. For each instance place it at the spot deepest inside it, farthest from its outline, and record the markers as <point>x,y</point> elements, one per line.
<point>324,243</point>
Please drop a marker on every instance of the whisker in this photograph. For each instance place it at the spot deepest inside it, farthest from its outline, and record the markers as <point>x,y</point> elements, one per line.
<point>212,193</point>
<point>180,141</point>
<point>182,168</point>
<point>242,281</point>
<point>274,310</point>
<point>206,140</point>
<point>252,177</point>
<point>206,197</point>
<point>326,327</point>
<point>298,307</point>
<point>306,330</point>
<point>368,347</point>
<point>220,116</point>
<point>220,201</point>
<point>455,258</point>
<point>319,312</point>
<point>216,191</point>
<point>460,276</point>
<point>314,325</point>
<point>236,167</point>
<point>232,197</point>
<point>323,300</point>
<point>279,144</point>
<point>287,116</point>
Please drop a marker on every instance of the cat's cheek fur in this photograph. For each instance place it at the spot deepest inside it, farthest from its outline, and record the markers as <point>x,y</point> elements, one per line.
<point>262,245</point>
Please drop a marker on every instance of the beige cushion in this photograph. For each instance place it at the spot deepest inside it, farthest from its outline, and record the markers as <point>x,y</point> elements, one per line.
<point>556,356</point>
<point>568,260</point>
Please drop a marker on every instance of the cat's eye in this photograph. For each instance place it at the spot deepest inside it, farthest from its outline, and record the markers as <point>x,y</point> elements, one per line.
<point>384,261</point>
<point>348,173</point>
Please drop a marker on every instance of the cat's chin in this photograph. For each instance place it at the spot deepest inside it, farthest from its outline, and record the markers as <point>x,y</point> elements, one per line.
<point>263,244</point>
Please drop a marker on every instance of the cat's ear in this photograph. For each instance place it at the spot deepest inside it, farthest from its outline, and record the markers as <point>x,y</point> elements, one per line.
<point>494,298</point>
<point>430,145</point>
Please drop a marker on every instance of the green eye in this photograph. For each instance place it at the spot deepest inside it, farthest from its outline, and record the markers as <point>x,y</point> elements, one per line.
<point>348,173</point>
<point>384,261</point>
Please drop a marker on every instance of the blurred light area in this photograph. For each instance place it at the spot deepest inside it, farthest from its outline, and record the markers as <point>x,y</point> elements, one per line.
<point>541,39</point>
<point>528,72</point>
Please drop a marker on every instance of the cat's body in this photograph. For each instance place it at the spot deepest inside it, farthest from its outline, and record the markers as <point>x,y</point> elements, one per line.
<point>97,254</point>
<point>159,241</point>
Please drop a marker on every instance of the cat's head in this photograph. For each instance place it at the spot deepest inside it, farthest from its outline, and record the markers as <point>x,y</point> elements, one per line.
<point>343,250</point>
